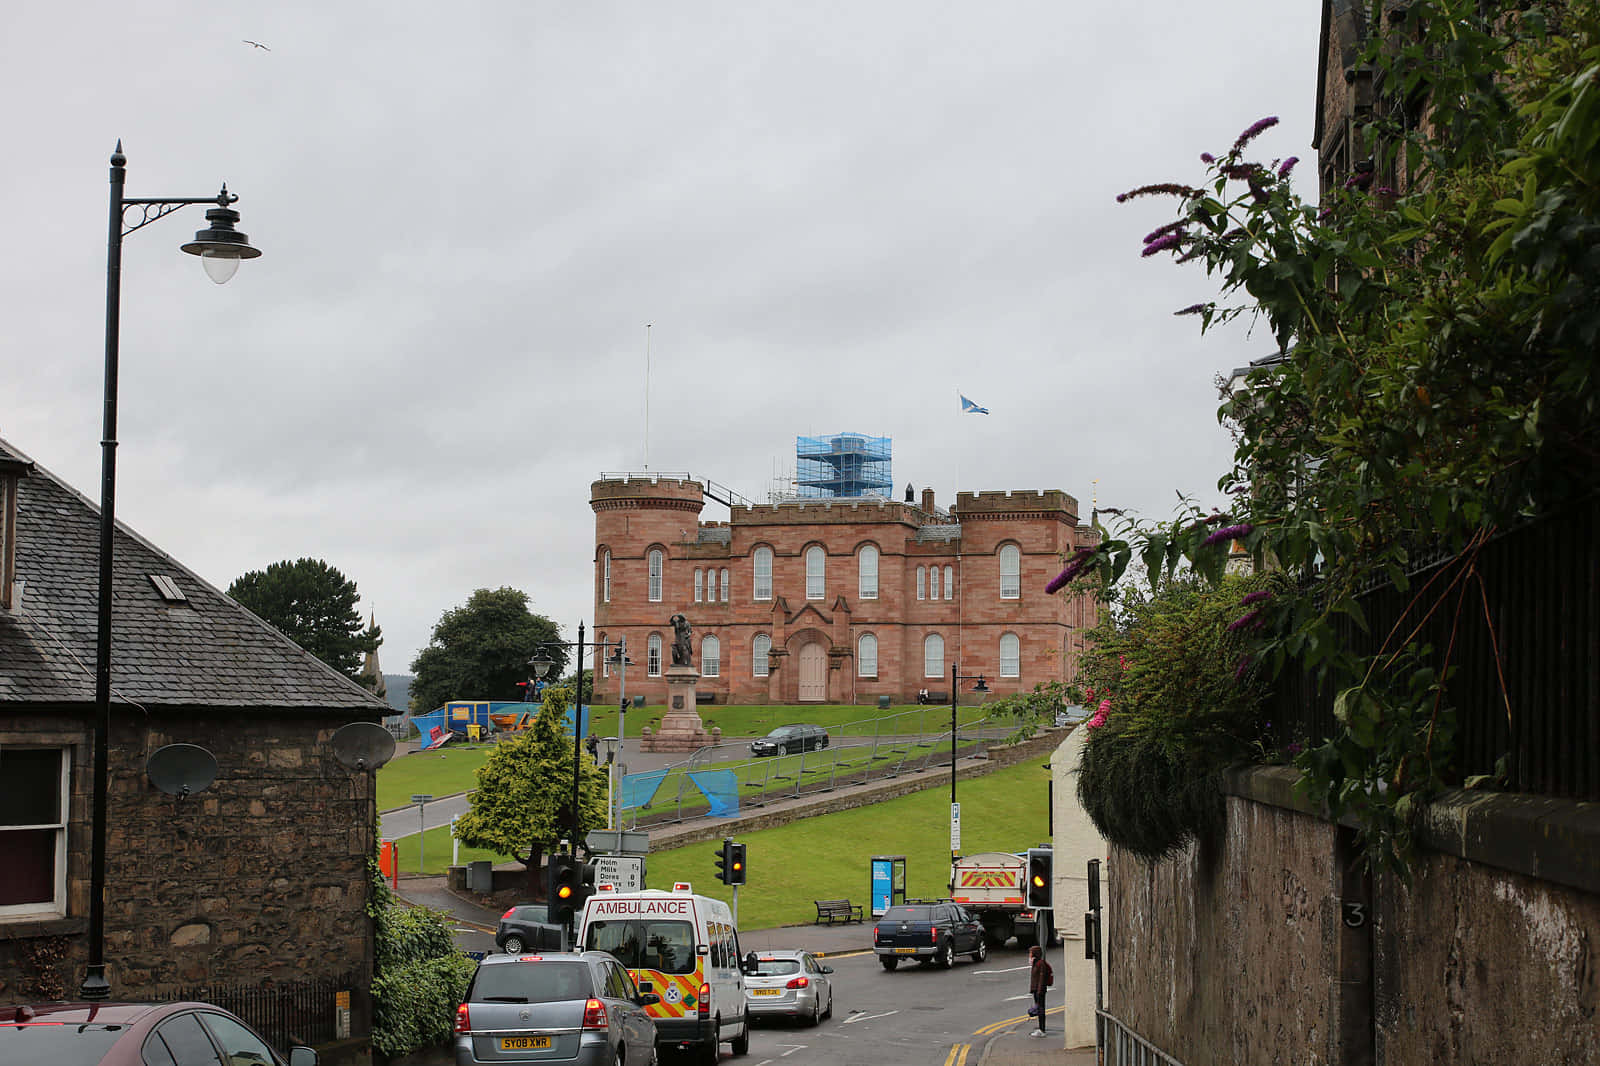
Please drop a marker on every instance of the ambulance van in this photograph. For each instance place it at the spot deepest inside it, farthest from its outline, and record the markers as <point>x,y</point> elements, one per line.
<point>686,946</point>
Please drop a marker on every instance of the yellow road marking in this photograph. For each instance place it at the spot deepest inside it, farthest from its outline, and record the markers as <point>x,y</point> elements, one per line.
<point>958,1055</point>
<point>995,1027</point>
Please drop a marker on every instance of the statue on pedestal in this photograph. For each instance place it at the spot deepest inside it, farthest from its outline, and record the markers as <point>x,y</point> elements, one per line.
<point>682,645</point>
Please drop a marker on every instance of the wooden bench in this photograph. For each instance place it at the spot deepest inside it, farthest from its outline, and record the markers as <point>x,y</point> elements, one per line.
<point>837,910</point>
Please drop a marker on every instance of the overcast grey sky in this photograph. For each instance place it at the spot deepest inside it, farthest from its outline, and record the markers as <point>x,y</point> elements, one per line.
<point>834,216</point>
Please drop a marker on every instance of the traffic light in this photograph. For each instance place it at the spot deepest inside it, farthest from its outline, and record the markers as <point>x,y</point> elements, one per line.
<point>586,873</point>
<point>736,864</point>
<point>1041,879</point>
<point>724,864</point>
<point>564,884</point>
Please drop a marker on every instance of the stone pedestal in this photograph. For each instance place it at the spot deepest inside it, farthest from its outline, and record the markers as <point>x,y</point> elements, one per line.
<point>681,728</point>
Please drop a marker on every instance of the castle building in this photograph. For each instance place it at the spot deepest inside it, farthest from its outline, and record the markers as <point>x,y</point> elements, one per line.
<point>836,600</point>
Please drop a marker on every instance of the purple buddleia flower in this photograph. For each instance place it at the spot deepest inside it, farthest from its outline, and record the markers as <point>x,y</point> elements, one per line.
<point>1240,171</point>
<point>1232,235</point>
<point>1294,748</point>
<point>1359,180</point>
<point>1384,190</point>
<point>1253,132</point>
<point>1195,309</point>
<point>1111,510</point>
<point>1287,165</point>
<point>1075,566</point>
<point>1324,214</point>
<point>1161,244</point>
<point>1227,533</point>
<point>1243,668</point>
<point>1162,231</point>
<point>1242,622</point>
<point>1255,597</point>
<point>1207,157</point>
<point>1162,189</point>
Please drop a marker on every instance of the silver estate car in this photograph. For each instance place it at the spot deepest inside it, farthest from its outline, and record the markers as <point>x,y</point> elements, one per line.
<point>582,1010</point>
<point>789,984</point>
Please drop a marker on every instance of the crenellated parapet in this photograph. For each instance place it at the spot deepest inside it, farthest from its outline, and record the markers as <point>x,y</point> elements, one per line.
<point>827,512</point>
<point>664,493</point>
<point>1011,505</point>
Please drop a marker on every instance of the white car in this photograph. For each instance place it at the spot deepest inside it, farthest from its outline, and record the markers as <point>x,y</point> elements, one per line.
<point>788,984</point>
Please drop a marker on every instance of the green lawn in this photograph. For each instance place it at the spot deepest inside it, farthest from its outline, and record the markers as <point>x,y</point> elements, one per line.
<point>828,856</point>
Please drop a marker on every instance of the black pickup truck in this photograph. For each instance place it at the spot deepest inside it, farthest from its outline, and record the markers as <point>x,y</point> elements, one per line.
<point>928,932</point>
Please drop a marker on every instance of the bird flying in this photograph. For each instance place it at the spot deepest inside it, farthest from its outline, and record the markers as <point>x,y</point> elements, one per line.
<point>257,44</point>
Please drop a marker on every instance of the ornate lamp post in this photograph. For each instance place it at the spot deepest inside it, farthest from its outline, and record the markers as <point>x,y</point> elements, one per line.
<point>541,666</point>
<point>220,248</point>
<point>955,678</point>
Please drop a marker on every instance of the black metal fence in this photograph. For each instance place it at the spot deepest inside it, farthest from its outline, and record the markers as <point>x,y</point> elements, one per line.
<point>287,1013</point>
<point>1522,628</point>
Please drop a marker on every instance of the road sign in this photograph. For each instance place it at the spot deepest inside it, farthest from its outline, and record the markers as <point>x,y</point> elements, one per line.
<point>422,797</point>
<point>624,872</point>
<point>627,841</point>
<point>955,827</point>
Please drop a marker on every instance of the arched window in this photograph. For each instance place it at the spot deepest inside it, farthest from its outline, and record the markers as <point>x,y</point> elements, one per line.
<point>697,580</point>
<point>933,582</point>
<point>867,569</point>
<point>1010,572</point>
<point>867,656</point>
<point>711,657</point>
<point>605,577</point>
<point>655,575</point>
<point>711,586</point>
<point>949,582</point>
<point>761,588</point>
<point>652,662</point>
<point>933,656</point>
<point>922,582</point>
<point>816,560</point>
<point>605,660</point>
<point>760,648</point>
<point>724,584</point>
<point>1010,655</point>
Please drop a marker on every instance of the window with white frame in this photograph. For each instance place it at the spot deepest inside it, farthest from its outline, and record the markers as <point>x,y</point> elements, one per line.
<point>724,584</point>
<point>922,582</point>
<point>816,569</point>
<point>655,575</point>
<point>933,656</point>
<point>605,660</point>
<point>949,582</point>
<point>761,587</point>
<point>1010,655</point>
<point>867,656</point>
<point>605,577</point>
<point>697,579</point>
<point>711,586</point>
<point>867,571</point>
<point>760,648</point>
<point>652,661</point>
<point>711,657</point>
<point>1010,572</point>
<point>33,831</point>
<point>933,582</point>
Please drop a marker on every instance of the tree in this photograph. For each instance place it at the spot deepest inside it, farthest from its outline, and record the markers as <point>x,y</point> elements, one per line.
<point>522,805</point>
<point>313,605</point>
<point>481,650</point>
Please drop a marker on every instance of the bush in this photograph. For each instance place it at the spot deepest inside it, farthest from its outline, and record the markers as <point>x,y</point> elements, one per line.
<point>420,976</point>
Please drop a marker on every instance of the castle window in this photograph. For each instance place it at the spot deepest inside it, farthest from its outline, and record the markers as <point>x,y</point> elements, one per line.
<point>33,829</point>
<point>1010,572</point>
<point>724,584</point>
<point>761,589</point>
<point>655,575</point>
<point>711,586</point>
<point>867,570</point>
<point>949,582</point>
<point>816,561</point>
<point>867,656</point>
<point>652,661</point>
<point>711,657</point>
<point>922,582</point>
<point>760,648</point>
<point>1010,655</point>
<point>605,577</point>
<point>933,582</point>
<point>933,656</point>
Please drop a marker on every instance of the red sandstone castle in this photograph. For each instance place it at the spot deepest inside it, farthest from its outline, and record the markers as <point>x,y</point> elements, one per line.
<point>840,600</point>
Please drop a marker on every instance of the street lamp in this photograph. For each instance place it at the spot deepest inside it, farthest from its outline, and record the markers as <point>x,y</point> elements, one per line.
<point>609,744</point>
<point>619,659</point>
<point>541,665</point>
<point>220,248</point>
<point>957,677</point>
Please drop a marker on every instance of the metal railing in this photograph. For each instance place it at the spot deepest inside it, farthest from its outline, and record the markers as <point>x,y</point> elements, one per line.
<point>1120,1046</point>
<point>286,1013</point>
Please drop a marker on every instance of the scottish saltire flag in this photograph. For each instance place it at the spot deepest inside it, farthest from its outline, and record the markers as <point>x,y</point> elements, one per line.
<point>970,408</point>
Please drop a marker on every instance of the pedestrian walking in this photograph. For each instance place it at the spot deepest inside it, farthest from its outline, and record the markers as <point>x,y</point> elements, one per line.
<point>1040,977</point>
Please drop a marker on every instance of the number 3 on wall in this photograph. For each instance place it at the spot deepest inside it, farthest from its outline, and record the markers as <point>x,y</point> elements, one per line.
<point>1355,914</point>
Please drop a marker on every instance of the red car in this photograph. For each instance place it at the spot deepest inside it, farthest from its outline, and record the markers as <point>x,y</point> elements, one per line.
<point>135,1034</point>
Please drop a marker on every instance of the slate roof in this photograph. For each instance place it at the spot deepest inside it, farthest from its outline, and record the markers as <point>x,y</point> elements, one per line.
<point>207,653</point>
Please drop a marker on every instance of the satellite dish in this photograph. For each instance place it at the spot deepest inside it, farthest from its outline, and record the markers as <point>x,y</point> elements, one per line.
<point>363,745</point>
<point>181,769</point>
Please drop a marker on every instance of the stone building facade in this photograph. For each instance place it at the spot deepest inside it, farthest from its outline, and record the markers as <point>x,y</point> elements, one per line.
<point>256,881</point>
<point>836,600</point>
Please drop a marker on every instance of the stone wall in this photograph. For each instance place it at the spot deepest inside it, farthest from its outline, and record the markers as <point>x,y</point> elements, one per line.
<point>1272,945</point>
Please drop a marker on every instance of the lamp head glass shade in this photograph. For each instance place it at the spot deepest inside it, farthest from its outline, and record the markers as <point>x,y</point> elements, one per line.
<point>541,665</point>
<point>981,686</point>
<point>220,246</point>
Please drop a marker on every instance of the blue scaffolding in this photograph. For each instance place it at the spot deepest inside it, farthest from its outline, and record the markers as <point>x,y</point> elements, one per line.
<point>844,464</point>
